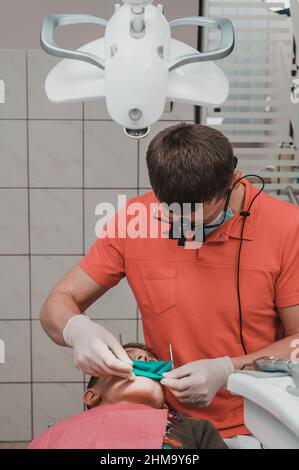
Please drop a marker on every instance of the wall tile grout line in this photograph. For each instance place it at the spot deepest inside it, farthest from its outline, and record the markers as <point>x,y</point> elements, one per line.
<point>138,193</point>
<point>93,318</point>
<point>138,167</point>
<point>41,254</point>
<point>80,119</point>
<point>43,382</point>
<point>14,442</point>
<point>83,195</point>
<point>29,243</point>
<point>88,188</point>
<point>83,174</point>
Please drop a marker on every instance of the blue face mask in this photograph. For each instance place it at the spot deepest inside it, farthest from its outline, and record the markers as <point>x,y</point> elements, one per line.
<point>151,369</point>
<point>229,214</point>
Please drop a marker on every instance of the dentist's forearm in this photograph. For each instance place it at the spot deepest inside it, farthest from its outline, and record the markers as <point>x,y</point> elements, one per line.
<point>56,312</point>
<point>281,349</point>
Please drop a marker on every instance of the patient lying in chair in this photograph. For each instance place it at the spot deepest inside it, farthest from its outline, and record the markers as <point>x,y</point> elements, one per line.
<point>123,414</point>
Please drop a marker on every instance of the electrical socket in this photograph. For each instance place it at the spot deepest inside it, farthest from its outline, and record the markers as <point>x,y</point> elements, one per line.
<point>2,352</point>
<point>2,92</point>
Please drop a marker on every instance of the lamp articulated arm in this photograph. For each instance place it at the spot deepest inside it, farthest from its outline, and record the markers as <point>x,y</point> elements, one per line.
<point>49,45</point>
<point>52,22</point>
<point>227,40</point>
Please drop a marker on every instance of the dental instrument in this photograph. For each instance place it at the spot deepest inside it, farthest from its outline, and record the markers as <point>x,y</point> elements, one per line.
<point>171,356</point>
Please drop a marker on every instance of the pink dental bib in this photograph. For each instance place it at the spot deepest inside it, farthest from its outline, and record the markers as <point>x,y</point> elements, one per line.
<point>120,426</point>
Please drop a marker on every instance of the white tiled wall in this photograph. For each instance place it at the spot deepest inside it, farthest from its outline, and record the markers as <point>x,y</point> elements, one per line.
<point>57,162</point>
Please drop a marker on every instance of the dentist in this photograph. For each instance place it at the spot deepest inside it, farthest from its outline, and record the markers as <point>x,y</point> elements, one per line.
<point>220,306</point>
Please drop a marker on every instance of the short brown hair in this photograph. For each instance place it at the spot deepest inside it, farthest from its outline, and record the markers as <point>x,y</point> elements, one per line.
<point>190,163</point>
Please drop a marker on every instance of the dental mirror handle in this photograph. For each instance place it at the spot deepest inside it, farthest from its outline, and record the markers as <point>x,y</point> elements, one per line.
<point>171,355</point>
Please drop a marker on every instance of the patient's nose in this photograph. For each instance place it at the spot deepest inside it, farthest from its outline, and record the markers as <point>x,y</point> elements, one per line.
<point>145,357</point>
<point>142,357</point>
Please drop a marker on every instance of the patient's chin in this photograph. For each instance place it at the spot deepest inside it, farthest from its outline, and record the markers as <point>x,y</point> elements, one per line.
<point>142,390</point>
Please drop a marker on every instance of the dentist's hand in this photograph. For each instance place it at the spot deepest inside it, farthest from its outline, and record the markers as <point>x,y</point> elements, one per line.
<point>195,384</point>
<point>96,351</point>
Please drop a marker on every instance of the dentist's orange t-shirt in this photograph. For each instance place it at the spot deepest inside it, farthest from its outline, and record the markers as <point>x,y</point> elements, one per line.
<point>188,298</point>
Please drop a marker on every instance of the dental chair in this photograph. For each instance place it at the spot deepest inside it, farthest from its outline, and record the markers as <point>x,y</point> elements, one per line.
<point>271,404</point>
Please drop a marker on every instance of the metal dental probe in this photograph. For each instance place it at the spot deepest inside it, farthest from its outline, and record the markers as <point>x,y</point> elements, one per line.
<point>171,356</point>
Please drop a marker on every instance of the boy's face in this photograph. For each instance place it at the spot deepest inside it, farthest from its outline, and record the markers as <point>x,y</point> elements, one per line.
<point>111,390</point>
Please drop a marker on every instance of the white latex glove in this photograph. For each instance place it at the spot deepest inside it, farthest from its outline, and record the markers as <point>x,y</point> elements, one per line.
<point>96,351</point>
<point>198,382</point>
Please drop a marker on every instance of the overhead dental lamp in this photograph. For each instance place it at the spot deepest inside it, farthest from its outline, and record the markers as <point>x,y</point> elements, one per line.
<point>137,66</point>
